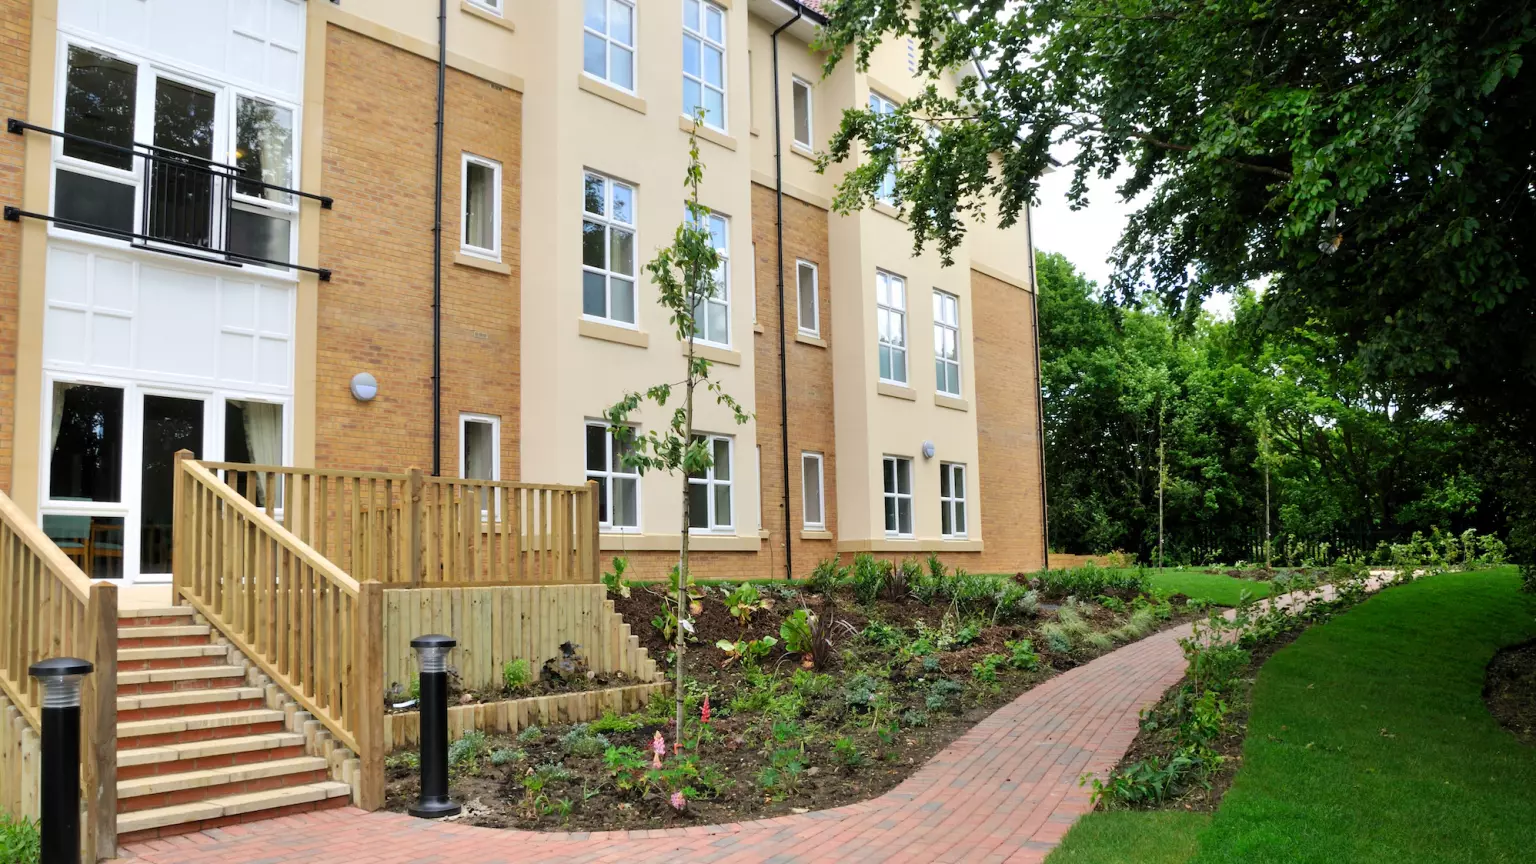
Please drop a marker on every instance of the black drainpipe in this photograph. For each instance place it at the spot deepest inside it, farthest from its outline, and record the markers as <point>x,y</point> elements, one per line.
<point>437,248</point>
<point>1034,302</point>
<point>778,175</point>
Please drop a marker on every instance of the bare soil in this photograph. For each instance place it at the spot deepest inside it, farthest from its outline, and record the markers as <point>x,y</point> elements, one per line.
<point>1510,690</point>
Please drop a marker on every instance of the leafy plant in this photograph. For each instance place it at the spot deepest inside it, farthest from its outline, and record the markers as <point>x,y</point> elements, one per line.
<point>943,693</point>
<point>20,842</point>
<point>846,752</point>
<point>613,723</point>
<point>861,692</point>
<point>614,580</point>
<point>899,579</point>
<point>465,753</point>
<point>795,630</point>
<point>868,577</point>
<point>515,675</point>
<point>626,765</point>
<point>530,735</point>
<point>1021,655</point>
<point>502,756</point>
<point>743,603</point>
<point>582,743</point>
<point>881,635</point>
<point>747,652</point>
<point>827,576</point>
<point>985,669</point>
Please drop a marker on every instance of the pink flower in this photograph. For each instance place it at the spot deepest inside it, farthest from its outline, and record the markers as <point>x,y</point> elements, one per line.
<point>704,711</point>
<point>678,801</point>
<point>658,748</point>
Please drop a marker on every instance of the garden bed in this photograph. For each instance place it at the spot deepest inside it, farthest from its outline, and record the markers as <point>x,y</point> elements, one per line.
<point>910,659</point>
<point>1510,690</point>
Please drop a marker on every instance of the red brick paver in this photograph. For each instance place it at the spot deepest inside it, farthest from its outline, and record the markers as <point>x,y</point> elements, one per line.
<point>1005,791</point>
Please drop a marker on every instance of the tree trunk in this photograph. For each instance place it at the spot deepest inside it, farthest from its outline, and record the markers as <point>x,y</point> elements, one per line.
<point>682,561</point>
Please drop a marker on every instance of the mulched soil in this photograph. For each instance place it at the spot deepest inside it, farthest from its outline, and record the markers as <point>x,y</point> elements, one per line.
<point>1161,743</point>
<point>1510,690</point>
<point>1265,574</point>
<point>739,745</point>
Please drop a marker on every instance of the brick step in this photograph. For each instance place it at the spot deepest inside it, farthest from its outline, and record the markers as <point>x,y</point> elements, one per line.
<point>163,636</point>
<point>202,755</point>
<point>185,703</point>
<point>181,657</point>
<point>167,680</point>
<point>187,787</point>
<point>200,727</point>
<point>154,616</point>
<point>225,810</point>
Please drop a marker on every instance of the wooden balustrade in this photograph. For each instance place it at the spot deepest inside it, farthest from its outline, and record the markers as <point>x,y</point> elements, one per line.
<point>413,529</point>
<point>49,608</point>
<point>316,631</point>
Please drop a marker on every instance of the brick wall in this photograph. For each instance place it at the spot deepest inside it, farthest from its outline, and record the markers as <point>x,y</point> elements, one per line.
<point>375,315</point>
<point>15,57</point>
<point>1007,427</point>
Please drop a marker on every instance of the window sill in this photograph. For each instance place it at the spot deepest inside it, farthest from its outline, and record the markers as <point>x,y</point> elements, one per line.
<point>611,93</point>
<point>614,333</point>
<point>802,151</point>
<point>896,391</point>
<point>714,354</point>
<point>487,15</point>
<point>888,210</point>
<point>482,264</point>
<point>908,544</point>
<point>762,534</point>
<point>816,534</point>
<point>707,134</point>
<point>951,402</point>
<point>624,542</point>
<point>756,327</point>
<point>807,339</point>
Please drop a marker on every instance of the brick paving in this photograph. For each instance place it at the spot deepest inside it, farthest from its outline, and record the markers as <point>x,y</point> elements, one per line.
<point>1006,791</point>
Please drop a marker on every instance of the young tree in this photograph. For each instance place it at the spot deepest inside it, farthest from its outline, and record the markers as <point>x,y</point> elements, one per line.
<point>686,274</point>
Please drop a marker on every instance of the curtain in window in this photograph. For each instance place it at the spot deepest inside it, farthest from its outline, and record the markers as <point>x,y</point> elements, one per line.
<point>59,389</point>
<point>264,439</point>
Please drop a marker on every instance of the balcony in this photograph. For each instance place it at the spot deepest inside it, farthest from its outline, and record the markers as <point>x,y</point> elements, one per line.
<point>181,205</point>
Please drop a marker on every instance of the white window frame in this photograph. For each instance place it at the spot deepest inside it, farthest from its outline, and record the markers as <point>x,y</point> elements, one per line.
<point>956,500</point>
<point>609,42</point>
<point>710,482</point>
<point>227,98</point>
<point>883,105</point>
<point>798,83</point>
<point>815,326</point>
<point>941,299</point>
<point>610,224</point>
<point>607,477</point>
<point>700,35</point>
<point>900,498</point>
<point>491,6</point>
<point>465,418</point>
<point>899,315</point>
<point>493,253</point>
<point>821,491</point>
<point>722,296</point>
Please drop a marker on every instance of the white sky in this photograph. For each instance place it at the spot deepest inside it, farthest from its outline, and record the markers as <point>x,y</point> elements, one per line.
<point>1088,236</point>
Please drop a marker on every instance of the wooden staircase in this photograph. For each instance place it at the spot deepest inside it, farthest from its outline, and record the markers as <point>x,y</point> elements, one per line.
<point>202,739</point>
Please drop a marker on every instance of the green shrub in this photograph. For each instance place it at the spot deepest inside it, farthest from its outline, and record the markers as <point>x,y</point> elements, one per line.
<point>611,722</point>
<point>1091,581</point>
<point>826,577</point>
<point>466,752</point>
<point>20,842</point>
<point>943,693</point>
<point>743,603</point>
<point>861,692</point>
<point>847,753</point>
<point>506,756</point>
<point>515,675</point>
<point>1021,655</point>
<point>881,635</point>
<point>614,580</point>
<point>985,669</point>
<point>531,735</point>
<point>869,576</point>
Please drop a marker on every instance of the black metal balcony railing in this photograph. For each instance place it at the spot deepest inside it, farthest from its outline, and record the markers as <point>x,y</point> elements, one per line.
<point>186,204</point>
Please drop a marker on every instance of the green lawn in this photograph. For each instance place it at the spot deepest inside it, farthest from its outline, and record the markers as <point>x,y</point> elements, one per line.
<point>1218,588</point>
<point>1368,742</point>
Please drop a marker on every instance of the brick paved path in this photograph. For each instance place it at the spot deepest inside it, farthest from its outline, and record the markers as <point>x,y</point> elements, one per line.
<point>1005,791</point>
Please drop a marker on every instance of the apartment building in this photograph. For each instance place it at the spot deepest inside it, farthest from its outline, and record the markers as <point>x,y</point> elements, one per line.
<point>279,231</point>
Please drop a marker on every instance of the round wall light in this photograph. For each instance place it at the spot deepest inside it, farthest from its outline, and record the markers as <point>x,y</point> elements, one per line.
<point>364,387</point>
<point>928,450</point>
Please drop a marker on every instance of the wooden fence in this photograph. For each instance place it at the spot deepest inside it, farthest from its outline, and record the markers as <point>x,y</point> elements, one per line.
<point>48,608</point>
<point>317,632</point>
<point>496,625</point>
<point>413,529</point>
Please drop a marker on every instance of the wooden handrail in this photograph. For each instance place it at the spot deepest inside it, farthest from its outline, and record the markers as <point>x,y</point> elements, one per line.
<point>314,630</point>
<point>49,608</point>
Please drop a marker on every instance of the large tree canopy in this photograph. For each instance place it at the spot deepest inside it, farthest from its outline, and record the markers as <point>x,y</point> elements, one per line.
<point>1374,160</point>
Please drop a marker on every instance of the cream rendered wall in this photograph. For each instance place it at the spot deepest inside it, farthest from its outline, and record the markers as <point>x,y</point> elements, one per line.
<point>569,378</point>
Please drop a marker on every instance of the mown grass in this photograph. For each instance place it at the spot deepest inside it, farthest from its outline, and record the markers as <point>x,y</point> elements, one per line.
<point>1368,742</point>
<point>1218,588</point>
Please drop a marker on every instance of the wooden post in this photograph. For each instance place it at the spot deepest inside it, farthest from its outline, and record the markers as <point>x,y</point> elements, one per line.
<point>180,525</point>
<point>368,684</point>
<point>413,528</point>
<point>593,562</point>
<point>99,783</point>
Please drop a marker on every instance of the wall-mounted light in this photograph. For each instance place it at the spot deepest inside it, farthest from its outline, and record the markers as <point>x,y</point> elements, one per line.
<point>928,450</point>
<point>364,387</point>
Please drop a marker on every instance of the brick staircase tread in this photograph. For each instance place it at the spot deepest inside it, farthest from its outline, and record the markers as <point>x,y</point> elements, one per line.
<point>201,749</point>
<point>186,673</point>
<point>161,783</point>
<point>128,655</point>
<point>186,697</point>
<point>161,631</point>
<point>156,612</point>
<point>138,728</point>
<point>229,805</point>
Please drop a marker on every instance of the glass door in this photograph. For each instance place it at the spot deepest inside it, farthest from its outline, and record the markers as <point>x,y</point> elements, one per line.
<point>84,510</point>
<point>170,423</point>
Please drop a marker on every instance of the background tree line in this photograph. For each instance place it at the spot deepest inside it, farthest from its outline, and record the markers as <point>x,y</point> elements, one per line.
<point>1352,461</point>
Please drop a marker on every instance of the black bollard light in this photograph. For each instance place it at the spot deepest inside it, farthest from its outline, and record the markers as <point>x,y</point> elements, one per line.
<point>432,664</point>
<point>60,805</point>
